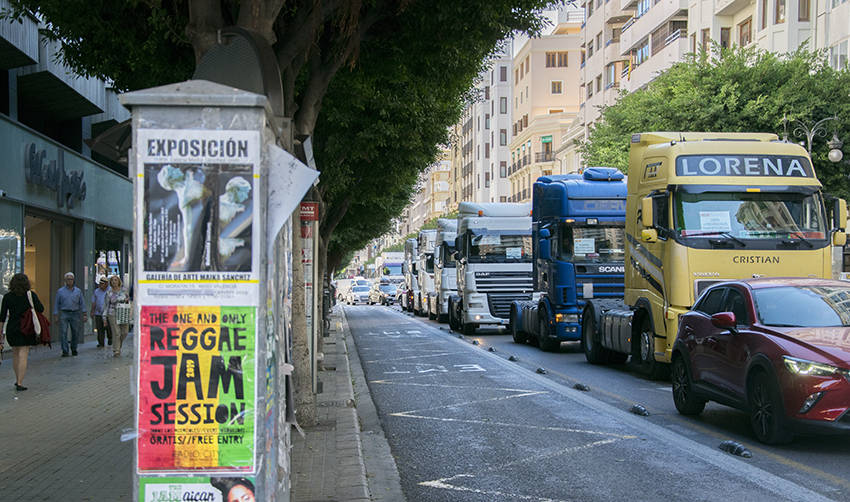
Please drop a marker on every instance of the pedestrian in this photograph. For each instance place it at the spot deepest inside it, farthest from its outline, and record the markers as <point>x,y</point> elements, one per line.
<point>98,301</point>
<point>116,295</point>
<point>15,304</point>
<point>70,311</point>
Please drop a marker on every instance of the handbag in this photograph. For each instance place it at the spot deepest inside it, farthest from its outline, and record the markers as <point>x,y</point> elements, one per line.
<point>35,324</point>
<point>123,313</point>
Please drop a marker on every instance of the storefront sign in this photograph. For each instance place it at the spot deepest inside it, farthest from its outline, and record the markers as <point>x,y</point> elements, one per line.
<point>199,216</point>
<point>196,398</point>
<point>546,139</point>
<point>69,187</point>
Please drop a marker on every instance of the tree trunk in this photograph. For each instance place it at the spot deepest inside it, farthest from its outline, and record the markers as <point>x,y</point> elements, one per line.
<point>302,377</point>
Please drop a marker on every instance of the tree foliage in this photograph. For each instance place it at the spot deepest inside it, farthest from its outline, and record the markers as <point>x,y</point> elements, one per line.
<point>743,90</point>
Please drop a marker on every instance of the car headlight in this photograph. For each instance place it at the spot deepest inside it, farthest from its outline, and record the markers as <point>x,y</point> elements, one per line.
<point>804,367</point>
<point>566,318</point>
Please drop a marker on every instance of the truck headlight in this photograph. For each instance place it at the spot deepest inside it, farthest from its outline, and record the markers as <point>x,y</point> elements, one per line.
<point>804,367</point>
<point>566,318</point>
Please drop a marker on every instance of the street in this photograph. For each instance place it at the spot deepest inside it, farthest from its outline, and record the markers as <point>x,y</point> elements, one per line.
<point>465,423</point>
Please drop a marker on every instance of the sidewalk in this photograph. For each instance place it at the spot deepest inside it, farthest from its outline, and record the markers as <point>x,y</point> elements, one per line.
<point>331,461</point>
<point>60,440</point>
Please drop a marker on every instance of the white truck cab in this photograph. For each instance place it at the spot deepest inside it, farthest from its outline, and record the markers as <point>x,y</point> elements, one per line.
<point>445,275</point>
<point>425,268</point>
<point>494,263</point>
<point>411,282</point>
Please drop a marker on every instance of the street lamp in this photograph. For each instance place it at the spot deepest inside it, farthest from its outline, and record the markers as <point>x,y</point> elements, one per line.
<point>818,129</point>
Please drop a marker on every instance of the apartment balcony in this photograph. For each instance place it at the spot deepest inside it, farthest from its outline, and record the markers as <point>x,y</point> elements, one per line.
<point>638,28</point>
<point>612,51</point>
<point>18,42</point>
<point>672,53</point>
<point>729,7</point>
<point>628,4</point>
<point>544,157</point>
<point>612,12</point>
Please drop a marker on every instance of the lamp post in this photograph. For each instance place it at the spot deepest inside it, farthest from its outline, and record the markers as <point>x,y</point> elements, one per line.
<point>800,129</point>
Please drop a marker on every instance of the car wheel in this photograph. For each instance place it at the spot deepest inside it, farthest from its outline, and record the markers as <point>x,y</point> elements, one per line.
<point>545,342</point>
<point>594,352</point>
<point>684,397</point>
<point>516,333</point>
<point>643,352</point>
<point>767,414</point>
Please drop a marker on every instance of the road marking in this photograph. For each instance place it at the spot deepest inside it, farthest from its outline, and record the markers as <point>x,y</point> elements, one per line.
<point>444,483</point>
<point>468,367</point>
<point>408,357</point>
<point>520,426</point>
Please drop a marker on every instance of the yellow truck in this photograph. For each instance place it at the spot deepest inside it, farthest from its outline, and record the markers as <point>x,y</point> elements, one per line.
<point>703,208</point>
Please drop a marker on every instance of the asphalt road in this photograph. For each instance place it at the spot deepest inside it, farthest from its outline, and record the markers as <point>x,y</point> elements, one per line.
<point>466,424</point>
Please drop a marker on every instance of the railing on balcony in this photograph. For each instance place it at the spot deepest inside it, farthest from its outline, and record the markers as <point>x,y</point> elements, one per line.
<point>612,41</point>
<point>628,24</point>
<point>625,72</point>
<point>544,157</point>
<point>675,35</point>
<point>525,160</point>
<point>613,85</point>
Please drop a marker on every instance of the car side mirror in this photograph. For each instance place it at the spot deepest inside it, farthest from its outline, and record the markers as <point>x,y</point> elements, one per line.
<point>646,212</point>
<point>724,320</point>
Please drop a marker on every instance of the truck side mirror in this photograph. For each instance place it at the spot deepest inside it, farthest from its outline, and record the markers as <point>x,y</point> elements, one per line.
<point>839,214</point>
<point>647,217</point>
<point>649,235</point>
<point>544,233</point>
<point>839,238</point>
<point>543,247</point>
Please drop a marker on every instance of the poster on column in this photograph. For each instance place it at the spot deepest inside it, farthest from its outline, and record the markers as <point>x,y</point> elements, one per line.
<point>196,391</point>
<point>199,216</point>
<point>200,489</point>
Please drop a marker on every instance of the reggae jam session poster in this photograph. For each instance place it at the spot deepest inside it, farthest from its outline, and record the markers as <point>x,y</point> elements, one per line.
<point>199,489</point>
<point>196,392</point>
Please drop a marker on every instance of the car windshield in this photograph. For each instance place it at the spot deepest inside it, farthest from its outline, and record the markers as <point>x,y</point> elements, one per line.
<point>387,288</point>
<point>360,289</point>
<point>362,282</point>
<point>593,243</point>
<point>799,306</point>
<point>500,248</point>
<point>750,215</point>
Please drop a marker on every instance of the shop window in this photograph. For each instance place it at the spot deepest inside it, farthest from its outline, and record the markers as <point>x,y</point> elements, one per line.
<point>11,252</point>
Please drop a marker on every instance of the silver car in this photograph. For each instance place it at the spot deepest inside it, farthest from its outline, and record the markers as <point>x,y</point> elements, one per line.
<point>358,294</point>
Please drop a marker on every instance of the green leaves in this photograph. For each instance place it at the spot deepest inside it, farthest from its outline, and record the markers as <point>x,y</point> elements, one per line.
<point>744,90</point>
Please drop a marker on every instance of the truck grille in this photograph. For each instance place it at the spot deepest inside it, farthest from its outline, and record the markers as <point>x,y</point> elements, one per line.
<point>604,286</point>
<point>502,288</point>
<point>500,303</point>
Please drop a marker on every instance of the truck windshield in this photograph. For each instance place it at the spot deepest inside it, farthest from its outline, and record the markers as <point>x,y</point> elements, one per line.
<point>429,263</point>
<point>750,215</point>
<point>498,248</point>
<point>392,269</point>
<point>592,243</point>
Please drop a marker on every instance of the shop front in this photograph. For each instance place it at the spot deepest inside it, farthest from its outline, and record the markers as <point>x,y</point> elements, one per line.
<point>59,212</point>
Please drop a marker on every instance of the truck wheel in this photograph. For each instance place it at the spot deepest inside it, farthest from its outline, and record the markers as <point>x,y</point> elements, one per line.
<point>468,329</point>
<point>431,315</point>
<point>453,324</point>
<point>686,401</point>
<point>643,352</point>
<point>593,351</point>
<point>767,413</point>
<point>546,343</point>
<point>516,333</point>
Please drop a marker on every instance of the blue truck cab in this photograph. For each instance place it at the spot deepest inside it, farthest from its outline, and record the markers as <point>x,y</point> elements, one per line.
<point>578,251</point>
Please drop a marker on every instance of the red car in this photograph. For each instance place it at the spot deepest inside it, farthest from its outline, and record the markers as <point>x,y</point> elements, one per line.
<point>777,348</point>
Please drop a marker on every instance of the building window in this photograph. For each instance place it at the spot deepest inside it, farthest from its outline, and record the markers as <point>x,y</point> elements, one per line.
<point>589,9</point>
<point>503,169</point>
<point>503,137</point>
<point>486,150</point>
<point>590,89</point>
<point>486,180</point>
<point>563,59</point>
<point>503,198</point>
<point>610,76</point>
<point>598,83</point>
<point>642,7</point>
<point>503,74</point>
<point>705,39</point>
<point>525,120</point>
<point>590,49</point>
<point>779,12</point>
<point>516,76</point>
<point>503,105</point>
<point>551,59</point>
<point>556,86</point>
<point>803,12</point>
<point>745,32</point>
<point>763,14</point>
<point>693,42</point>
<point>724,38</point>
<point>642,52</point>
<point>599,41</point>
<point>487,92</point>
<point>556,110</point>
<point>838,55</point>
<point>487,121</point>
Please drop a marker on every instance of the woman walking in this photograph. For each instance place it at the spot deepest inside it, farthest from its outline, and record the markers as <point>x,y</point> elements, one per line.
<point>116,295</point>
<point>15,304</point>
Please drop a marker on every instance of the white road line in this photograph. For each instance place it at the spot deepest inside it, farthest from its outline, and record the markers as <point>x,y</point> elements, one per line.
<point>490,400</point>
<point>475,387</point>
<point>408,357</point>
<point>520,426</point>
<point>439,483</point>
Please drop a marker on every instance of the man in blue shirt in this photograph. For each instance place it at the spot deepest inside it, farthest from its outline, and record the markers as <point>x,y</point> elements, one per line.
<point>98,302</point>
<point>70,311</point>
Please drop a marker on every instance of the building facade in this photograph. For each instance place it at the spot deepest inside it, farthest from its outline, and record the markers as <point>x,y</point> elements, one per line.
<point>62,207</point>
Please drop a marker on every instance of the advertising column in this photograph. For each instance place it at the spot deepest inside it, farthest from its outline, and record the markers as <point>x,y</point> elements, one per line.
<point>198,262</point>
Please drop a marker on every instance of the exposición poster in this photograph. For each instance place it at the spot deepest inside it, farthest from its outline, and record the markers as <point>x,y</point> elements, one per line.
<point>199,216</point>
<point>201,489</point>
<point>196,389</point>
